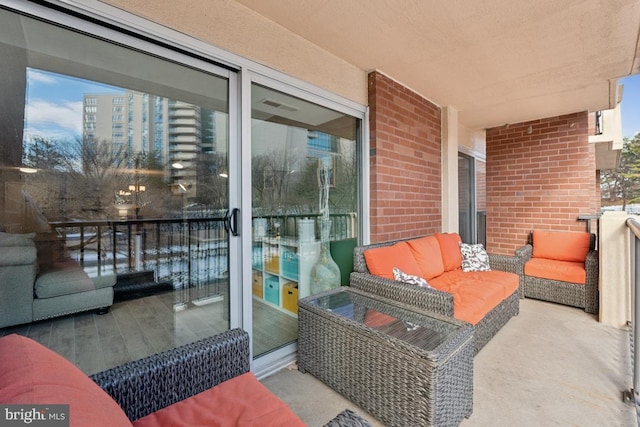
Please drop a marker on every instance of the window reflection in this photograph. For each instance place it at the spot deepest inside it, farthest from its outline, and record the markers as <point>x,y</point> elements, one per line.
<point>111,195</point>
<point>304,189</point>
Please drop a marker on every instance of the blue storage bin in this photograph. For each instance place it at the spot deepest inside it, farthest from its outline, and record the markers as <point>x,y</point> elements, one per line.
<point>290,264</point>
<point>272,290</point>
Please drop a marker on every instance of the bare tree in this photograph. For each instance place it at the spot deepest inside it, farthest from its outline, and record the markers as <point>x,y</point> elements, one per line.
<point>622,185</point>
<point>212,183</point>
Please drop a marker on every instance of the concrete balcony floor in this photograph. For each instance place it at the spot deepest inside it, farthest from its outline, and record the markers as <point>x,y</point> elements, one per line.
<point>550,365</point>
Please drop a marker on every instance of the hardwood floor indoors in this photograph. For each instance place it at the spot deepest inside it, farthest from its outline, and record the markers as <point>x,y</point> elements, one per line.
<point>140,327</point>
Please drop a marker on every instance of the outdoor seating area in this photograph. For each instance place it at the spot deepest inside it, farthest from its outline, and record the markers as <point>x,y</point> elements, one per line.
<point>268,222</point>
<point>385,333</point>
<point>486,296</point>
<point>541,369</point>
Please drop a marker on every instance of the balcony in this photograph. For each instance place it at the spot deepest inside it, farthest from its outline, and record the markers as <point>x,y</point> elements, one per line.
<point>551,364</point>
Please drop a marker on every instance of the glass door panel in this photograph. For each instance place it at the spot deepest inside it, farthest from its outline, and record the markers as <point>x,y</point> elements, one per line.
<point>304,174</point>
<point>118,160</point>
<point>466,199</point>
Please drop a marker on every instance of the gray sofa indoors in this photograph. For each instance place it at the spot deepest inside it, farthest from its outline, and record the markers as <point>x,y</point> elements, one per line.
<point>31,290</point>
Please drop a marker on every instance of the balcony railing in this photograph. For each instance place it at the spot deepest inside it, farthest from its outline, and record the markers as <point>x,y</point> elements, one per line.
<point>185,251</point>
<point>633,395</point>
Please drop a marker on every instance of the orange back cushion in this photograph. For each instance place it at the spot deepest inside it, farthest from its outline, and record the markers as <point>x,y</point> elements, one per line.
<point>33,374</point>
<point>426,251</point>
<point>450,248</point>
<point>380,261</point>
<point>561,245</point>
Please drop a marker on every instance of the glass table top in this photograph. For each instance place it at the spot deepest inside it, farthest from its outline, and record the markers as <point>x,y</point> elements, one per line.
<point>418,329</point>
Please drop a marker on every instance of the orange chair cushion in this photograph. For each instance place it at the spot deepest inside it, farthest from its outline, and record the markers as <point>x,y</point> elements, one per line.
<point>380,261</point>
<point>564,271</point>
<point>450,249</point>
<point>427,254</point>
<point>31,374</point>
<point>476,293</point>
<point>561,245</point>
<point>240,401</point>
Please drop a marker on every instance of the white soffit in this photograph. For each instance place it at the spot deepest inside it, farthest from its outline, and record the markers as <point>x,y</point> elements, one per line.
<point>496,62</point>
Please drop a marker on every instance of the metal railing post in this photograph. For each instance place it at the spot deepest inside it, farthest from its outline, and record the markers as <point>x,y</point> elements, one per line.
<point>114,250</point>
<point>636,316</point>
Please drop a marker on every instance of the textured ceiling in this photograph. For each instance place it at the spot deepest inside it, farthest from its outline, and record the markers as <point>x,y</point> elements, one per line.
<point>496,62</point>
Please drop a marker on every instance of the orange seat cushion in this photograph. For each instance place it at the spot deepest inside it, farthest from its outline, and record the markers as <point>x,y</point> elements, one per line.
<point>31,374</point>
<point>450,249</point>
<point>427,254</point>
<point>241,401</point>
<point>380,261</point>
<point>476,293</point>
<point>564,271</point>
<point>561,245</point>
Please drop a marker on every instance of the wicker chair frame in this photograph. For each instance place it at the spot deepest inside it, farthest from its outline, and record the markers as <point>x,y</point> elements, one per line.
<point>144,386</point>
<point>572,294</point>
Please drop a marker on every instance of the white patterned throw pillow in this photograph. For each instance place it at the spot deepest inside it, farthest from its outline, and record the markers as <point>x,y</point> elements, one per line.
<point>401,276</point>
<point>474,257</point>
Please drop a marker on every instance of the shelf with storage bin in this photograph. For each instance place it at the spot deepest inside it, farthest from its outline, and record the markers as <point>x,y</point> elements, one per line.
<point>282,267</point>
<point>290,297</point>
<point>257,285</point>
<point>272,289</point>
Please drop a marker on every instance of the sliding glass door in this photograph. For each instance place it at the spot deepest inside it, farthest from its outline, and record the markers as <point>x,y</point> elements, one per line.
<point>304,184</point>
<point>472,199</point>
<point>130,159</point>
<point>466,198</point>
<point>117,160</point>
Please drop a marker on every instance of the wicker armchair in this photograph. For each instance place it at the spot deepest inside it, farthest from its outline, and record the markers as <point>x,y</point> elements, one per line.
<point>567,293</point>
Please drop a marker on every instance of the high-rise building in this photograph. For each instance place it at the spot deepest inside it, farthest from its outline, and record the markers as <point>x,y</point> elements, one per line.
<point>167,130</point>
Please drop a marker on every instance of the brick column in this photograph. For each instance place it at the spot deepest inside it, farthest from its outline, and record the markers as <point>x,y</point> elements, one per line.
<point>405,156</point>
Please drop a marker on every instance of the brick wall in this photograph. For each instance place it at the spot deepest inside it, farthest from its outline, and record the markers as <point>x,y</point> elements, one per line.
<point>592,123</point>
<point>540,175</point>
<point>405,138</point>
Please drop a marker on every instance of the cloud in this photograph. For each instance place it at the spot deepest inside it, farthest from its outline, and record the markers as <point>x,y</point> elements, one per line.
<point>40,77</point>
<point>64,117</point>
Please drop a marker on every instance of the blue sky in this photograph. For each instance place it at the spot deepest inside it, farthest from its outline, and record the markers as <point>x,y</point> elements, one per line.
<point>630,106</point>
<point>54,104</point>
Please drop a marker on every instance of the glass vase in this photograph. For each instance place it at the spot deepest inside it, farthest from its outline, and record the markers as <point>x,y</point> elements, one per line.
<point>325,273</point>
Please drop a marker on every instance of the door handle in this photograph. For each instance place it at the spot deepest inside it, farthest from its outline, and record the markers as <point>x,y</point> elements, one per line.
<point>231,222</point>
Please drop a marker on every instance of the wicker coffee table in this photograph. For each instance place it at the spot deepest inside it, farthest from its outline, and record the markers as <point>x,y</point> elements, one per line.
<point>405,367</point>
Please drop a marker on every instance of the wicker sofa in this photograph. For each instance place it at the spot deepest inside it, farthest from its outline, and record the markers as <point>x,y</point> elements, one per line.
<point>561,267</point>
<point>450,287</point>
